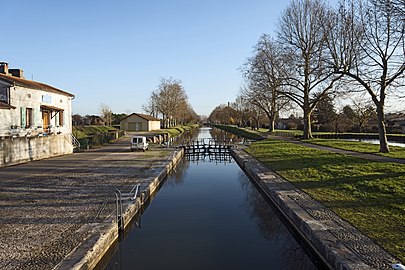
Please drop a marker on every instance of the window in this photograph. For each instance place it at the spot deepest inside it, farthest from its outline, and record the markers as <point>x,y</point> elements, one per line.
<point>5,94</point>
<point>28,117</point>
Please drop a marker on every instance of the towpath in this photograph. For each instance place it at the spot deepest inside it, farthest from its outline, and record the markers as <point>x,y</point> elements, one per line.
<point>43,204</point>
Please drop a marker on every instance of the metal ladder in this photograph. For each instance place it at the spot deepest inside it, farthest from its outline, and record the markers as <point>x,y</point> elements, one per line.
<point>120,198</point>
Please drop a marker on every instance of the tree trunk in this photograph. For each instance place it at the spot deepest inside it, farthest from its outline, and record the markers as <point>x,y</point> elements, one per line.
<point>272,120</point>
<point>307,124</point>
<point>382,133</point>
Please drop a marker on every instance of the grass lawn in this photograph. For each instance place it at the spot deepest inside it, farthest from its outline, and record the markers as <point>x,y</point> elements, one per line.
<point>370,195</point>
<point>177,130</point>
<point>395,151</point>
<point>242,132</point>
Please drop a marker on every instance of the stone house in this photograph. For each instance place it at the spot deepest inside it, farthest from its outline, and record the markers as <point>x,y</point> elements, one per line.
<point>35,119</point>
<point>139,122</point>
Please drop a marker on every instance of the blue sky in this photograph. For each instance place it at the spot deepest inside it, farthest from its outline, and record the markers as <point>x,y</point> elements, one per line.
<point>115,52</point>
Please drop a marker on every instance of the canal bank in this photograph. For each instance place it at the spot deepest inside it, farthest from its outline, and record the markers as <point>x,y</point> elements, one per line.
<point>103,235</point>
<point>208,215</point>
<point>48,207</point>
<point>338,243</point>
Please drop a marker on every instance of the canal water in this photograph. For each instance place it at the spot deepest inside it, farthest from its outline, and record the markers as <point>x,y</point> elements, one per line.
<point>208,215</point>
<point>377,142</point>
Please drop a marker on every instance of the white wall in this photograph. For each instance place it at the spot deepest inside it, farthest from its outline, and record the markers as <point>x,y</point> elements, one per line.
<point>32,98</point>
<point>154,125</point>
<point>20,150</point>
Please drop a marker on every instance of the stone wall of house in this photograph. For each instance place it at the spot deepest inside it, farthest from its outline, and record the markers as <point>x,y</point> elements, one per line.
<point>20,150</point>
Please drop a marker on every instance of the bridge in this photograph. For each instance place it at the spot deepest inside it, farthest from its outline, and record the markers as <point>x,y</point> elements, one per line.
<point>207,146</point>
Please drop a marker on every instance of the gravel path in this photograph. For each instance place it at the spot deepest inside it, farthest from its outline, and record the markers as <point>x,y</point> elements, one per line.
<point>44,203</point>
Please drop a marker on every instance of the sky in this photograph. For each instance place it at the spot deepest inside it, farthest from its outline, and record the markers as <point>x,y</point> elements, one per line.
<point>116,52</point>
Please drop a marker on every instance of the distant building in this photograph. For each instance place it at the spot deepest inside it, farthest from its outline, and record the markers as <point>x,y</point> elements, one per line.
<point>35,118</point>
<point>139,122</point>
<point>289,123</point>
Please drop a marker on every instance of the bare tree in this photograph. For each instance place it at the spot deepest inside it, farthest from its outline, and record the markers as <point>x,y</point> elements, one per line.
<point>223,114</point>
<point>106,114</point>
<point>170,101</point>
<point>263,73</point>
<point>152,106</point>
<point>301,31</point>
<point>373,54</point>
<point>243,110</point>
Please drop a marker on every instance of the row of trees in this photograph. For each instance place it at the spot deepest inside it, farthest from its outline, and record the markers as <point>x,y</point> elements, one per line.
<point>322,52</point>
<point>107,118</point>
<point>170,102</point>
<point>360,116</point>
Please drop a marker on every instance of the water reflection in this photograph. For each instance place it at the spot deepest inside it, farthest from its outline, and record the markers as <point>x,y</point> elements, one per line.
<point>271,228</point>
<point>399,144</point>
<point>209,157</point>
<point>208,215</point>
<point>177,175</point>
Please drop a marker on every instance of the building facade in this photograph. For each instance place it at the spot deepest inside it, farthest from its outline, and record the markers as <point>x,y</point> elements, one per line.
<point>139,122</point>
<point>35,119</point>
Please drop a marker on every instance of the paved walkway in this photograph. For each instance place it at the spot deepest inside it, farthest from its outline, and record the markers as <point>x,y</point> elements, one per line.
<point>43,204</point>
<point>341,151</point>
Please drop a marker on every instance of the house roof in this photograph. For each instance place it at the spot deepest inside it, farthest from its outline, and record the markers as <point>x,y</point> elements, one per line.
<point>32,84</point>
<point>6,106</point>
<point>144,116</point>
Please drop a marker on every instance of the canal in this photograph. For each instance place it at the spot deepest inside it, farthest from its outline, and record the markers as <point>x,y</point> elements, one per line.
<point>207,215</point>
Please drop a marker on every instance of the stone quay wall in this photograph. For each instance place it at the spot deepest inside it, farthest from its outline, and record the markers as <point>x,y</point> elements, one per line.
<point>336,242</point>
<point>23,149</point>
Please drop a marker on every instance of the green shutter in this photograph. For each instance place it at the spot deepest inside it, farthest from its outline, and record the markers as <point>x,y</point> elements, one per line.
<point>23,115</point>
<point>35,117</point>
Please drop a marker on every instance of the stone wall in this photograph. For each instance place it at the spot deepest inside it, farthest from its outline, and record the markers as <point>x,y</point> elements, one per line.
<point>20,150</point>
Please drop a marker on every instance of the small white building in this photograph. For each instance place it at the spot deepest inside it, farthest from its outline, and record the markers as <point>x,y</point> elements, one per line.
<point>35,118</point>
<point>139,122</point>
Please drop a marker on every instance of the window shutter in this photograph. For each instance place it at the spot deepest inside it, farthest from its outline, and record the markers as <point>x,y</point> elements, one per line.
<point>62,118</point>
<point>57,120</point>
<point>35,117</point>
<point>23,115</point>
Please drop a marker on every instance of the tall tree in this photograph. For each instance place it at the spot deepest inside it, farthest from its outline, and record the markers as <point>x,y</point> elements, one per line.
<point>169,100</point>
<point>263,73</point>
<point>369,49</point>
<point>152,106</point>
<point>301,31</point>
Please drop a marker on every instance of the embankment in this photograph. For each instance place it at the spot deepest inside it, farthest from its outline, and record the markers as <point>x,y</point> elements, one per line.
<point>101,236</point>
<point>334,241</point>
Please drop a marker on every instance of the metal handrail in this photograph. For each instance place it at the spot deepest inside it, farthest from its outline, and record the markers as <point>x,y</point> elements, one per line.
<point>119,198</point>
<point>75,142</point>
<point>133,193</point>
<point>101,209</point>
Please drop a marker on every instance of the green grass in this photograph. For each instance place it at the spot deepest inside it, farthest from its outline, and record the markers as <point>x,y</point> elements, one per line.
<point>362,147</point>
<point>177,130</point>
<point>91,130</point>
<point>242,132</point>
<point>370,195</point>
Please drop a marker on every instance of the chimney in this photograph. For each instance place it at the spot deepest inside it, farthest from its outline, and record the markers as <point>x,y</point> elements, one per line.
<point>4,68</point>
<point>16,73</point>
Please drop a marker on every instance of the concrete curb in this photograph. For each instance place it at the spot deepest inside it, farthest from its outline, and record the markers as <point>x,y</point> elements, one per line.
<point>101,236</point>
<point>339,244</point>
